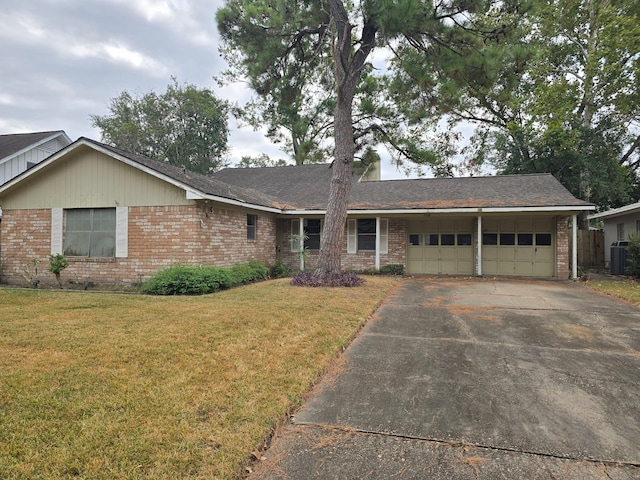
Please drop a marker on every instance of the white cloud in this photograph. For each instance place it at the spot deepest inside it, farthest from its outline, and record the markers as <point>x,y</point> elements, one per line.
<point>118,53</point>
<point>177,15</point>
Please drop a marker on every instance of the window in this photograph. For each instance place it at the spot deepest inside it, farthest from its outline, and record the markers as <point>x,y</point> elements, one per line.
<point>432,239</point>
<point>464,239</point>
<point>507,239</point>
<point>312,228</point>
<point>361,235</point>
<point>414,239</point>
<point>447,239</point>
<point>252,226</point>
<point>490,239</point>
<point>366,234</point>
<point>90,232</point>
<point>525,239</point>
<point>543,239</point>
<point>620,231</point>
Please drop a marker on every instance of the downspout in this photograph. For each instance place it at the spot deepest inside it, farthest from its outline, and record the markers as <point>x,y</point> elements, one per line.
<point>574,250</point>
<point>479,254</point>
<point>377,243</point>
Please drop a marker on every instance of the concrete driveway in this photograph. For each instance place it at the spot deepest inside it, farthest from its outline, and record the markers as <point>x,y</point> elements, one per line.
<point>476,378</point>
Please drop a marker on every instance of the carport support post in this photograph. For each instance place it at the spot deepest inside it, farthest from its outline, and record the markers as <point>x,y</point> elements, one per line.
<point>574,250</point>
<point>479,255</point>
<point>301,244</point>
<point>377,243</point>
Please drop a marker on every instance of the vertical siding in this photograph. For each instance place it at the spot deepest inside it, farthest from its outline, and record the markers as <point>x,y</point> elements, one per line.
<point>86,179</point>
<point>17,165</point>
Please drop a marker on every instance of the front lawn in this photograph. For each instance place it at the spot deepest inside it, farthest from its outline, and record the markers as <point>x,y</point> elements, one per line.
<point>107,386</point>
<point>626,289</point>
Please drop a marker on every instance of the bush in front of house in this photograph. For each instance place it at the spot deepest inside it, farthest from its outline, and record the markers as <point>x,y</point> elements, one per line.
<point>390,269</point>
<point>199,280</point>
<point>279,270</point>
<point>308,279</point>
<point>633,256</point>
<point>248,272</point>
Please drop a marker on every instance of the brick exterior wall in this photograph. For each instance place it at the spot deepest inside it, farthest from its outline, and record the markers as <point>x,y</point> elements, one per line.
<point>350,261</point>
<point>158,237</point>
<point>563,262</point>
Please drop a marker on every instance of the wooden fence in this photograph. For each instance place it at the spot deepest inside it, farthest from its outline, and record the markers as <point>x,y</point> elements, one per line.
<point>590,248</point>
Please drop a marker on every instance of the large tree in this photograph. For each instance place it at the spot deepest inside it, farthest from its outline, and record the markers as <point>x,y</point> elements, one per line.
<point>288,40</point>
<point>562,99</point>
<point>184,126</point>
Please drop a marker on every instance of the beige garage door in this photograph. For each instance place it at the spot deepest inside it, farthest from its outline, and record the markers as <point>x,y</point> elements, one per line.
<point>440,247</point>
<point>520,247</point>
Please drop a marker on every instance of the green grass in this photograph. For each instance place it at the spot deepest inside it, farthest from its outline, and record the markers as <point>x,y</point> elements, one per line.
<point>628,289</point>
<point>106,386</point>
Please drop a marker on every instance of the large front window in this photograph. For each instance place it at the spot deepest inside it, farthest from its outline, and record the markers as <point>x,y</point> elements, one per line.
<point>90,232</point>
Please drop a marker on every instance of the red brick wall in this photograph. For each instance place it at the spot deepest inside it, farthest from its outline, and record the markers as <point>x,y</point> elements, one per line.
<point>563,236</point>
<point>350,261</point>
<point>158,237</point>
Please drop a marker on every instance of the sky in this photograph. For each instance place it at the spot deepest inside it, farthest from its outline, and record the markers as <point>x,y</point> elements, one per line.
<point>64,60</point>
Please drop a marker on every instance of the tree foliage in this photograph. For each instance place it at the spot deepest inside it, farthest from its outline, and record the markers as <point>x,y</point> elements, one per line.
<point>285,51</point>
<point>563,98</point>
<point>184,126</point>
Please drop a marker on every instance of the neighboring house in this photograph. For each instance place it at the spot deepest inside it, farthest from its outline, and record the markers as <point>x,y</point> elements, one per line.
<point>120,217</point>
<point>619,223</point>
<point>20,151</point>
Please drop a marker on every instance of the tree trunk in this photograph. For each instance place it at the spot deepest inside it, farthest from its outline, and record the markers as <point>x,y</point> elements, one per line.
<point>329,261</point>
<point>347,68</point>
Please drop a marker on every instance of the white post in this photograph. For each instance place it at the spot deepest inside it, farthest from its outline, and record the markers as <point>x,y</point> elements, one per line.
<point>479,255</point>
<point>301,244</point>
<point>377,243</point>
<point>574,251</point>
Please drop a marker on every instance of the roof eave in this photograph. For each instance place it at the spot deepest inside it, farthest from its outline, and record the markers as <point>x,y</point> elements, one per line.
<point>471,210</point>
<point>616,212</point>
<point>192,194</point>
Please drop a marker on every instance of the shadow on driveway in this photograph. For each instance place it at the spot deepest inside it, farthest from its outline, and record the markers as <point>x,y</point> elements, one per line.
<point>476,378</point>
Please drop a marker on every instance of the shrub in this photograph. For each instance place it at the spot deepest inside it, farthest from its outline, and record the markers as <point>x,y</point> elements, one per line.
<point>248,272</point>
<point>186,280</point>
<point>392,269</point>
<point>190,280</point>
<point>345,279</point>
<point>633,256</point>
<point>57,263</point>
<point>279,270</point>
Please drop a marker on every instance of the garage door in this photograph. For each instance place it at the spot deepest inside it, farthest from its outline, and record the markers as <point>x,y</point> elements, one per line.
<point>440,247</point>
<point>521,247</point>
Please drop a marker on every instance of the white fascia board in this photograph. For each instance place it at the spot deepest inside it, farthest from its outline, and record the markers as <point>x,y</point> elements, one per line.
<point>617,211</point>
<point>423,211</point>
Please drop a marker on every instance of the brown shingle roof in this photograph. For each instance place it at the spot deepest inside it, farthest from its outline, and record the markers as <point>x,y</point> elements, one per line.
<point>307,187</point>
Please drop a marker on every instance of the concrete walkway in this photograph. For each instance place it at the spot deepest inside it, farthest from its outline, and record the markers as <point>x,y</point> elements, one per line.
<point>476,378</point>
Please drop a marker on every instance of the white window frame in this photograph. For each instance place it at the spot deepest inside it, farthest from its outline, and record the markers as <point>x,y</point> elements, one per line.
<point>252,229</point>
<point>122,231</point>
